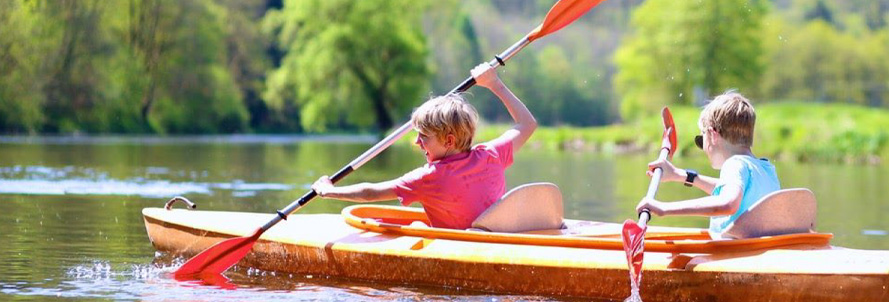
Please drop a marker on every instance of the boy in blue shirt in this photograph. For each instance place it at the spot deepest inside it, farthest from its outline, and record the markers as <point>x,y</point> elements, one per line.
<point>726,125</point>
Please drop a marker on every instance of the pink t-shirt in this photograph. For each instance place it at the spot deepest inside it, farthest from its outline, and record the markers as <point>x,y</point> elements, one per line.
<point>458,188</point>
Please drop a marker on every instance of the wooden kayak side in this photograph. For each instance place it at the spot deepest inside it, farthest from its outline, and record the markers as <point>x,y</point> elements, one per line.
<point>322,244</point>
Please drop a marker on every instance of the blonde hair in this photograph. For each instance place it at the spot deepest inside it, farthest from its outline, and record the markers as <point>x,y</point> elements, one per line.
<point>447,114</point>
<point>732,116</point>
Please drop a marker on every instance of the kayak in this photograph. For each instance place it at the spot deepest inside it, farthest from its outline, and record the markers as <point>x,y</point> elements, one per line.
<point>584,259</point>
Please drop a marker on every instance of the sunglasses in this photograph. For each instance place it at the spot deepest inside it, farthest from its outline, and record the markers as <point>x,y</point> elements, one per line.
<point>699,139</point>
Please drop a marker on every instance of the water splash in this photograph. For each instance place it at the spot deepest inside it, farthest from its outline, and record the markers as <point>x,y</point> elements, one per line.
<point>98,270</point>
<point>103,270</point>
<point>634,294</point>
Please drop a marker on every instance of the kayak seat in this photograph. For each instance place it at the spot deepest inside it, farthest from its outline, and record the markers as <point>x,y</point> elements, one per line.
<point>529,207</point>
<point>788,211</point>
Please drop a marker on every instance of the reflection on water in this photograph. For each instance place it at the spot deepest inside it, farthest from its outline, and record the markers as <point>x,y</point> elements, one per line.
<point>38,180</point>
<point>875,232</point>
<point>71,225</point>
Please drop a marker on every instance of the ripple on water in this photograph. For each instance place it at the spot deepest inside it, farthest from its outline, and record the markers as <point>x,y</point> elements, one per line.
<point>869,232</point>
<point>100,279</point>
<point>38,180</point>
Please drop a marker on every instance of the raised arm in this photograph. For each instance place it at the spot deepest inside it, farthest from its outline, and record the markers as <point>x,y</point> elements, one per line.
<point>486,76</point>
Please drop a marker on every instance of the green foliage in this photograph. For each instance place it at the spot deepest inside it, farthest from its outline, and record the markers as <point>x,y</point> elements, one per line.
<point>815,61</point>
<point>20,100</point>
<point>248,59</point>
<point>680,46</point>
<point>229,66</point>
<point>563,79</point>
<point>349,63</point>
<point>455,46</point>
<point>873,13</point>
<point>96,66</point>
<point>198,94</point>
<point>557,92</point>
<point>822,132</point>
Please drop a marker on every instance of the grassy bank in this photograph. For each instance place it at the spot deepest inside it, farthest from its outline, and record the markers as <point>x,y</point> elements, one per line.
<point>788,131</point>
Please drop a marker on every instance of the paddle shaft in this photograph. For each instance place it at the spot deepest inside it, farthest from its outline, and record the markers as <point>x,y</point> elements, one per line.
<point>645,215</point>
<point>498,60</point>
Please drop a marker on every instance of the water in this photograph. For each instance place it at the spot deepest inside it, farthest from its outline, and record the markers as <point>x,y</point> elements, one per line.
<point>71,227</point>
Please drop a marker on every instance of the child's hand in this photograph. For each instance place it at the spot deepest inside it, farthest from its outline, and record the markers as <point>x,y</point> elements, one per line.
<point>486,76</point>
<point>322,185</point>
<point>671,173</point>
<point>654,206</point>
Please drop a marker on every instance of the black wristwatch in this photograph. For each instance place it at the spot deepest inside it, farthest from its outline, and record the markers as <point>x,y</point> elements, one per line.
<point>690,179</point>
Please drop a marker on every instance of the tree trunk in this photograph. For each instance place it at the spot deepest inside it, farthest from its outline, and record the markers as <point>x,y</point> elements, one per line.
<point>384,121</point>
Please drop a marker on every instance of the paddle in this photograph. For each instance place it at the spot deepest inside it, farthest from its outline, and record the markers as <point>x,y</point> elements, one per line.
<point>633,233</point>
<point>223,255</point>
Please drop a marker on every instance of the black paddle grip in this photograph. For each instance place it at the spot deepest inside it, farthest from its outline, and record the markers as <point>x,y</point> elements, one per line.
<point>342,173</point>
<point>345,171</point>
<point>307,197</point>
<point>645,214</point>
<point>468,83</point>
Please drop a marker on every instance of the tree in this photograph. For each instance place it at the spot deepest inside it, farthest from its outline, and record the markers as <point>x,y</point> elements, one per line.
<point>21,97</point>
<point>456,48</point>
<point>817,62</point>
<point>820,11</point>
<point>679,46</point>
<point>246,56</point>
<point>347,58</point>
<point>181,51</point>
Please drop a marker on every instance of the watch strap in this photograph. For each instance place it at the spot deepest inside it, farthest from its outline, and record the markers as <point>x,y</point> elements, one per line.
<point>690,177</point>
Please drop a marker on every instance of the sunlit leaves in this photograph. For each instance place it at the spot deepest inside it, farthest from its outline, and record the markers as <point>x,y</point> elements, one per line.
<point>683,50</point>
<point>349,64</point>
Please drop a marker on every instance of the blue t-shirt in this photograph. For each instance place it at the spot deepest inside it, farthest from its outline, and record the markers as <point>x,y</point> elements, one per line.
<point>756,177</point>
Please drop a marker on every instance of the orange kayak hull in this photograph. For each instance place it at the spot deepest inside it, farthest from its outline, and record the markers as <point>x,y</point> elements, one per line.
<point>325,244</point>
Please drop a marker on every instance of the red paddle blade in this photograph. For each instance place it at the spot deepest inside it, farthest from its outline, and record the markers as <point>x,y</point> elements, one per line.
<point>218,258</point>
<point>634,245</point>
<point>562,14</point>
<point>669,140</point>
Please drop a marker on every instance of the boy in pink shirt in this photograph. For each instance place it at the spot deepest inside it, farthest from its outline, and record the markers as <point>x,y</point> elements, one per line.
<point>459,181</point>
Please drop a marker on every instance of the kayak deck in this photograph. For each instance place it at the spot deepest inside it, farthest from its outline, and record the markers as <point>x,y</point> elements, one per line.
<point>324,244</point>
<point>578,233</point>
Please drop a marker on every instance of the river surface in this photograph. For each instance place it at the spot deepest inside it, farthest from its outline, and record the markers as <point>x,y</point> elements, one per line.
<point>71,227</point>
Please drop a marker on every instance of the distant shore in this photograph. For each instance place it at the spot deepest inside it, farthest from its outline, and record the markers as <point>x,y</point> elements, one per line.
<point>804,132</point>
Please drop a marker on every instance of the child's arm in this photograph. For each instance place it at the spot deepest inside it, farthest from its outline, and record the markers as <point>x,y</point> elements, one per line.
<point>486,76</point>
<point>362,192</point>
<point>726,203</point>
<point>673,174</point>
